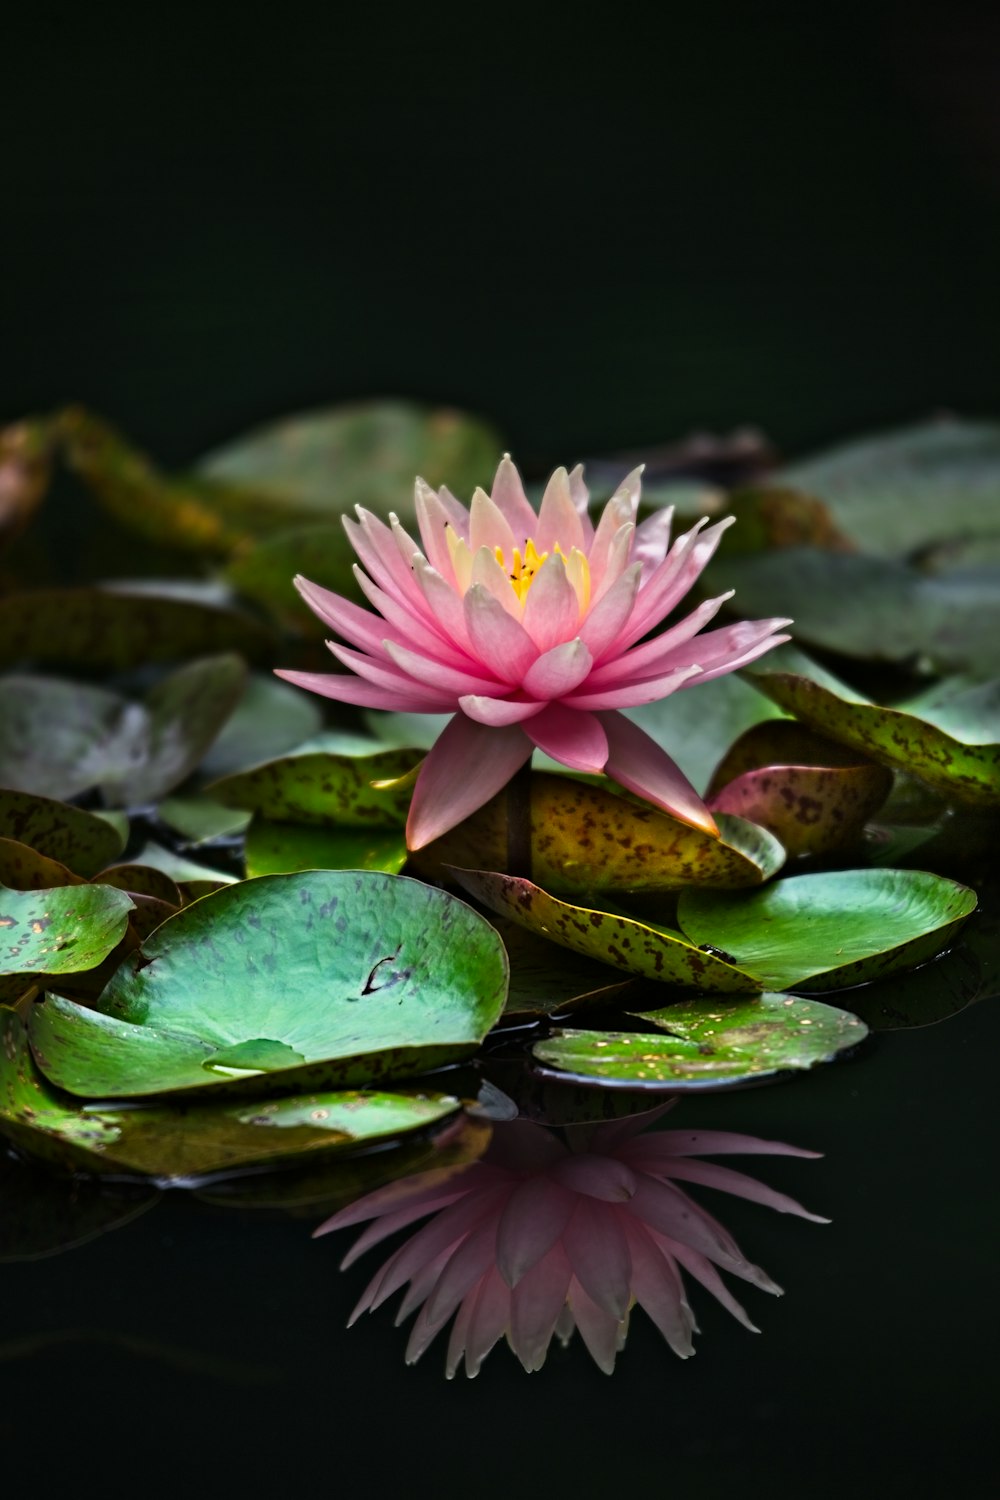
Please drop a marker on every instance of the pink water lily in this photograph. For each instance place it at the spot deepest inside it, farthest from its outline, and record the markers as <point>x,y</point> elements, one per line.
<point>539,1239</point>
<point>529,628</point>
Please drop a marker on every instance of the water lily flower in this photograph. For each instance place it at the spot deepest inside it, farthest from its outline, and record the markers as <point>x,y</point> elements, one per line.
<point>545,1236</point>
<point>530,629</point>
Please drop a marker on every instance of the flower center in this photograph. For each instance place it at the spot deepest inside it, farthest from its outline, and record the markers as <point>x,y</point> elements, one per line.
<point>523,569</point>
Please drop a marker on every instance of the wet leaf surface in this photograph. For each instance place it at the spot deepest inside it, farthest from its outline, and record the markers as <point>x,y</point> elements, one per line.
<point>832,930</point>
<point>326,788</point>
<point>710,1045</point>
<point>62,930</point>
<point>79,840</point>
<point>364,975</point>
<point>623,942</point>
<point>272,848</point>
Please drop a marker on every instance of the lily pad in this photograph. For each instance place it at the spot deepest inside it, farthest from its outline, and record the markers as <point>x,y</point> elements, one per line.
<point>325,788</point>
<point>174,1143</point>
<point>202,820</point>
<point>190,877</point>
<point>721,1044</point>
<point>363,975</point>
<point>265,572</point>
<point>588,841</point>
<point>62,930</point>
<point>24,869</point>
<point>79,840</point>
<point>623,942</point>
<point>546,978</point>
<point>114,629</point>
<point>270,719</point>
<point>953,746</point>
<point>813,795</point>
<point>273,848</point>
<point>25,469</point>
<point>833,930</point>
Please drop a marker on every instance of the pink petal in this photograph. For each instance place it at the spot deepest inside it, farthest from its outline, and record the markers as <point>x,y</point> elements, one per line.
<point>467,766</point>
<point>606,619</point>
<point>618,558</point>
<point>672,1143</point>
<point>459,1330</point>
<point>488,573</point>
<point>490,1318</point>
<point>736,659</point>
<point>558,522</point>
<point>376,548</point>
<point>659,1290</point>
<point>356,625</point>
<point>616,514</point>
<point>630,694</point>
<point>580,496</point>
<point>348,689</point>
<point>420,633</point>
<point>433,519</point>
<point>575,739</point>
<point>407,1192</point>
<point>443,605</point>
<point>670,1212</point>
<point>710,1174</point>
<point>438,675</point>
<point>551,609</point>
<point>500,642</point>
<point>637,763</point>
<point>451,1227</point>
<point>523,1146</point>
<point>472,1258</point>
<point>536,1303</point>
<point>558,671</point>
<point>535,1215</point>
<point>598,1329</point>
<point>498,712</point>
<point>664,653</point>
<point>601,1177</point>
<point>702,1270</point>
<point>488,527</point>
<point>509,498</point>
<point>598,1251</point>
<point>458,514</point>
<point>652,540</point>
<point>674,578</point>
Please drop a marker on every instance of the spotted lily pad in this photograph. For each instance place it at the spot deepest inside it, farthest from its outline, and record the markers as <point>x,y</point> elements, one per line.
<point>708,1045</point>
<point>79,840</point>
<point>325,787</point>
<point>588,841</point>
<point>62,930</point>
<point>833,930</point>
<point>361,975</point>
<point>24,869</point>
<point>952,744</point>
<point>273,848</point>
<point>179,1141</point>
<point>623,942</point>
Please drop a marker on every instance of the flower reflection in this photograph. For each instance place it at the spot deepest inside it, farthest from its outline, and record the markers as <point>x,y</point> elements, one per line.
<point>550,1233</point>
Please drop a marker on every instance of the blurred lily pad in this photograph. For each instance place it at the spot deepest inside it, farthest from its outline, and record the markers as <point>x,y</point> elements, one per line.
<point>327,788</point>
<point>202,820</point>
<point>833,930</point>
<point>60,930</point>
<point>25,468</point>
<point>114,629</point>
<point>273,848</point>
<point>264,573</point>
<point>270,719</point>
<point>191,878</point>
<point>720,1044</point>
<point>814,795</point>
<point>546,978</point>
<point>623,942</point>
<point>321,977</point>
<point>588,841</point>
<point>80,840</point>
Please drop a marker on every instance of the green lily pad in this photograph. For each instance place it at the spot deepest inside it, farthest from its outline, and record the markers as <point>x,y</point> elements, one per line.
<point>833,930</point>
<point>546,978</point>
<point>623,942</point>
<point>273,848</point>
<point>588,841</point>
<point>79,840</point>
<point>200,819</point>
<point>270,719</point>
<point>716,1044</point>
<point>905,491</point>
<point>326,788</point>
<point>62,930</point>
<point>142,880</point>
<point>953,746</point>
<point>875,609</point>
<point>813,795</point>
<point>321,463</point>
<point>177,1142</point>
<point>115,629</point>
<point>365,975</point>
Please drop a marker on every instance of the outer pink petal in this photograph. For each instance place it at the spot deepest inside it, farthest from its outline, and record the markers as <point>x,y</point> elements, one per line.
<point>598,1329</point>
<point>575,739</point>
<point>674,578</point>
<point>551,609</point>
<point>659,1290</point>
<point>558,521</point>
<point>357,625</point>
<point>376,547</point>
<point>443,605</point>
<point>498,712</point>
<point>467,766</point>
<point>432,519</point>
<point>602,1177</point>
<point>619,554</point>
<point>607,618</point>
<point>702,1270</point>
<point>349,689</point>
<point>536,1303</point>
<point>439,675</point>
<point>662,654</point>
<point>742,645</point>
<point>616,514</point>
<point>652,540</point>
<point>637,763</point>
<point>488,526</point>
<point>710,1174</point>
<point>489,1321</point>
<point>410,629</point>
<point>535,1215</point>
<point>580,496</point>
<point>598,1250</point>
<point>509,498</point>
<point>500,642</point>
<point>557,672</point>
<point>631,694</point>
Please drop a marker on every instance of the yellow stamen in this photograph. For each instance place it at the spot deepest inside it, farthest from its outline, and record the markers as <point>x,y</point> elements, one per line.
<point>521,570</point>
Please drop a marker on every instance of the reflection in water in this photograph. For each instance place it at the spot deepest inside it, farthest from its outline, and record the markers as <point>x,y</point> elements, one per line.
<point>556,1231</point>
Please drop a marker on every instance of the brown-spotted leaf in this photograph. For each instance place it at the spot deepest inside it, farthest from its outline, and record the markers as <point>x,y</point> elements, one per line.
<point>68,835</point>
<point>22,868</point>
<point>325,787</point>
<point>622,942</point>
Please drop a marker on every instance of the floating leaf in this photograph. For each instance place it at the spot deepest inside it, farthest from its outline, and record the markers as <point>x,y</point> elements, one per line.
<point>586,840</point>
<point>710,1045</point>
<point>624,943</point>
<point>115,629</point>
<point>325,788</point>
<point>833,930</point>
<point>546,978</point>
<point>273,848</point>
<point>142,880</point>
<point>959,755</point>
<point>365,975</point>
<point>180,1141</point>
<point>77,839</point>
<point>24,869</point>
<point>270,719</point>
<point>62,930</point>
<point>812,794</point>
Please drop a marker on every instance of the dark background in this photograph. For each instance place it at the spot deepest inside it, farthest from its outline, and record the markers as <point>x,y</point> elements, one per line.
<point>601,232</point>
